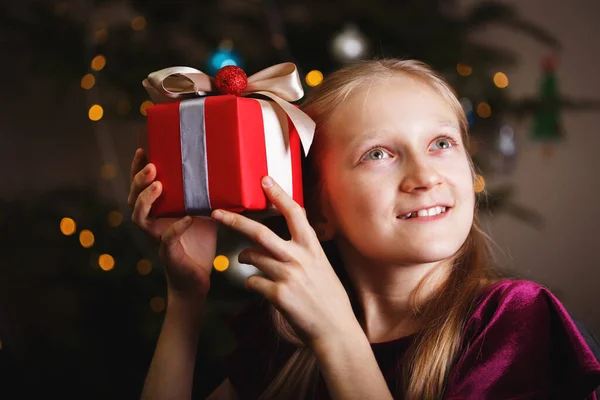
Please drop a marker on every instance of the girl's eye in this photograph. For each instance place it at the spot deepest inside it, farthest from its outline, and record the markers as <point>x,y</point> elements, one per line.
<point>376,154</point>
<point>444,143</point>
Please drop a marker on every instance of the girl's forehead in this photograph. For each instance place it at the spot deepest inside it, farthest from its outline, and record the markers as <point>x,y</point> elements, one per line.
<point>398,104</point>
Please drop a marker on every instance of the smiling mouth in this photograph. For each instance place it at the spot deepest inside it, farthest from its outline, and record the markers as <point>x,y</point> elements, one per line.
<point>429,213</point>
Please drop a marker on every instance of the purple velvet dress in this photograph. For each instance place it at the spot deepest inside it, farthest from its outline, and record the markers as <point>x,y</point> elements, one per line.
<point>519,343</point>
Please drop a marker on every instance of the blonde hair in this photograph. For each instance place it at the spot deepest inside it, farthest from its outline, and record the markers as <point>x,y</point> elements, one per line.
<point>442,316</point>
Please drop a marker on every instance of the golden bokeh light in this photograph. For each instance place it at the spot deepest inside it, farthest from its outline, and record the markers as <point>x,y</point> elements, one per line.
<point>500,80</point>
<point>98,62</point>
<point>484,110</point>
<point>86,238</point>
<point>144,106</point>
<point>108,171</point>
<point>138,23</point>
<point>106,262</point>
<point>67,226</point>
<point>278,41</point>
<point>123,107</point>
<point>221,263</point>
<point>464,70</point>
<point>88,81</point>
<point>473,146</point>
<point>314,78</point>
<point>96,112</point>
<point>479,184</point>
<point>115,218</point>
<point>0,344</point>
<point>100,36</point>
<point>144,267</point>
<point>157,304</point>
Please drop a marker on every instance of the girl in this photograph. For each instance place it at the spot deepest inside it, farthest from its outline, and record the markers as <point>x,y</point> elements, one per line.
<point>400,299</point>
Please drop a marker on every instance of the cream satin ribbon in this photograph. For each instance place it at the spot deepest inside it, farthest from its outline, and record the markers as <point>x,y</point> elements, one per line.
<point>281,83</point>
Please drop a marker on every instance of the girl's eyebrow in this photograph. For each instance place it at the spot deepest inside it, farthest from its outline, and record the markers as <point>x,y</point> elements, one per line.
<point>364,136</point>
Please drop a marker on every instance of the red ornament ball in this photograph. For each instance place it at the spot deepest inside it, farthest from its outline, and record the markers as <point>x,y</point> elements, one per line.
<point>231,80</point>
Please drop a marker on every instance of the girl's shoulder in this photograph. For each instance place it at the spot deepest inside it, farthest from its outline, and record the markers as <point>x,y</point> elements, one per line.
<point>520,339</point>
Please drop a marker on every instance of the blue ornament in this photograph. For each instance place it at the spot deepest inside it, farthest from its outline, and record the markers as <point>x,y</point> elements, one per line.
<point>222,58</point>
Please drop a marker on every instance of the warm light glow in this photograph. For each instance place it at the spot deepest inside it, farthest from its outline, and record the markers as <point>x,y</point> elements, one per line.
<point>123,107</point>
<point>479,184</point>
<point>278,41</point>
<point>226,45</point>
<point>96,112</point>
<point>106,262</point>
<point>115,218</point>
<point>101,36</point>
<point>67,226</point>
<point>0,344</point>
<point>473,146</point>
<point>157,304</point>
<point>86,238</point>
<point>314,78</point>
<point>144,106</point>
<point>221,263</point>
<point>500,80</point>
<point>138,23</point>
<point>484,110</point>
<point>108,171</point>
<point>98,62</point>
<point>88,81</point>
<point>464,70</point>
<point>144,267</point>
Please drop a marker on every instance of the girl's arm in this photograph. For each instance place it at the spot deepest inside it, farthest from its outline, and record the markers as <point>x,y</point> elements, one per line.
<point>172,367</point>
<point>349,368</point>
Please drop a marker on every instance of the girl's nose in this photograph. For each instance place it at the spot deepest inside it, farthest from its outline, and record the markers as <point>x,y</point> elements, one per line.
<point>419,175</point>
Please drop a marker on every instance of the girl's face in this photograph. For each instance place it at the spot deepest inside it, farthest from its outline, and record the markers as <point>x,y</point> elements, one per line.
<point>392,149</point>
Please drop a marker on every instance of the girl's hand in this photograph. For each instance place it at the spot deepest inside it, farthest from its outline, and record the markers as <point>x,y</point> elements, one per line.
<point>302,284</point>
<point>188,245</point>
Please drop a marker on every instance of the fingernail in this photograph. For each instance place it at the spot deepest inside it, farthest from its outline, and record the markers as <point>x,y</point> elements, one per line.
<point>154,186</point>
<point>218,215</point>
<point>147,170</point>
<point>267,181</point>
<point>188,219</point>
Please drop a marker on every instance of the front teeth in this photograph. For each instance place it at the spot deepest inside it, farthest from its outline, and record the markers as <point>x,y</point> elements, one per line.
<point>426,213</point>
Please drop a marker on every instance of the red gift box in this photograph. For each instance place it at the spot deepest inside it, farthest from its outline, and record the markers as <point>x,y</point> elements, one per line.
<point>211,152</point>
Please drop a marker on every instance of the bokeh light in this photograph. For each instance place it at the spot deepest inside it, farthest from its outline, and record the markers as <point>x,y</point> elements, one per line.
<point>108,171</point>
<point>479,184</point>
<point>464,70</point>
<point>484,110</point>
<point>138,23</point>
<point>314,78</point>
<point>500,80</point>
<point>86,238</point>
<point>123,107</point>
<point>98,62</point>
<point>144,267</point>
<point>144,106</point>
<point>115,218</point>
<point>96,112</point>
<point>88,81</point>
<point>67,226</point>
<point>100,36</point>
<point>157,304</point>
<point>221,263</point>
<point>106,262</point>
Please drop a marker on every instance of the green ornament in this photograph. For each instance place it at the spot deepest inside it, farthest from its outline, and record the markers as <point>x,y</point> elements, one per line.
<point>546,126</point>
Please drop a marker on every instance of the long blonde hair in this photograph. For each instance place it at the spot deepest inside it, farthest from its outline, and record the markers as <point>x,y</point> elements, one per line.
<point>442,316</point>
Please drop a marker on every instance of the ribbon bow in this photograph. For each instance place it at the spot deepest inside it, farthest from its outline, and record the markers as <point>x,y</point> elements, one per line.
<point>281,83</point>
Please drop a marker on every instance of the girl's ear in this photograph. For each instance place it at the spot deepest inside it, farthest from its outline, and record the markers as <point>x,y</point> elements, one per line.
<point>321,219</point>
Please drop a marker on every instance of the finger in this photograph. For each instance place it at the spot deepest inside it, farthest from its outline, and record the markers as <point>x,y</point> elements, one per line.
<point>143,204</point>
<point>139,160</point>
<point>140,182</point>
<point>265,287</point>
<point>294,215</point>
<point>170,246</point>
<point>256,232</point>
<point>263,261</point>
